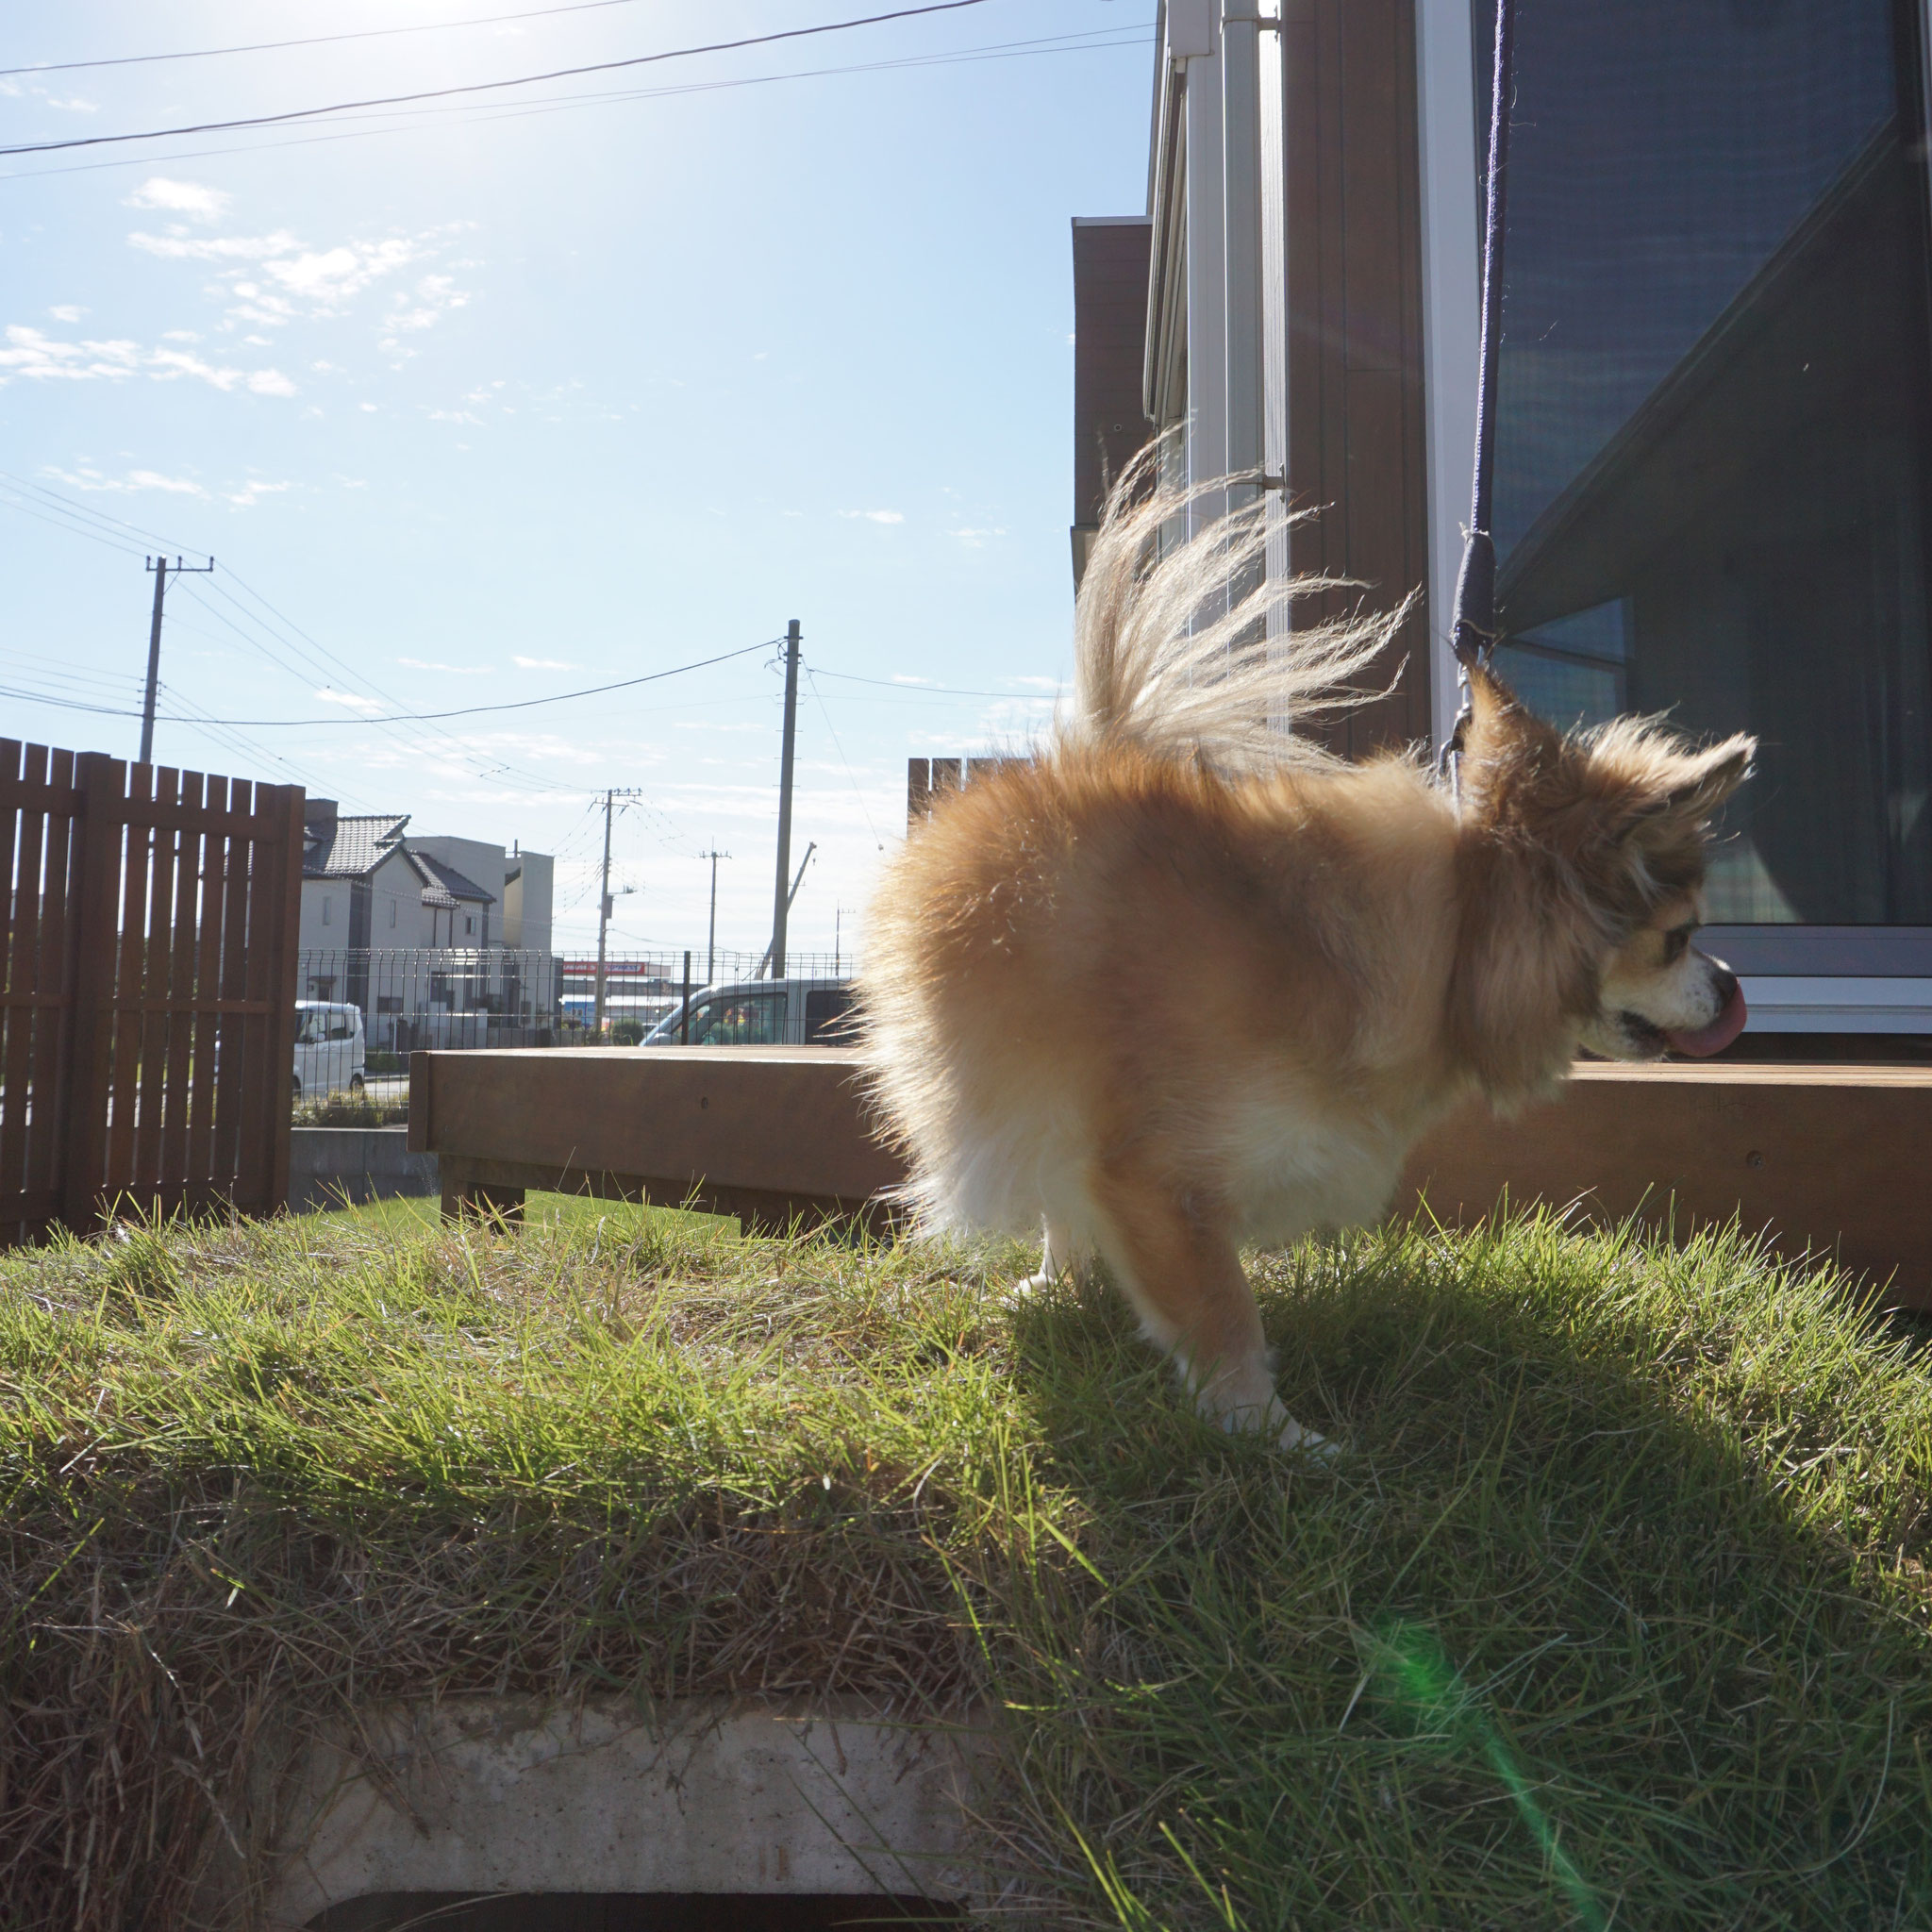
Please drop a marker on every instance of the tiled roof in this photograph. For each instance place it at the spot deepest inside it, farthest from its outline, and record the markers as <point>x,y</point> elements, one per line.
<point>350,847</point>
<point>444,885</point>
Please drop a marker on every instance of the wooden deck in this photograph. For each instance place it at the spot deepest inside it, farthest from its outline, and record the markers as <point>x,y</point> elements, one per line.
<point>1826,1159</point>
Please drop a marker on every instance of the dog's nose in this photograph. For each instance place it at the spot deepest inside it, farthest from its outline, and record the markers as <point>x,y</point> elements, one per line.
<point>1726,983</point>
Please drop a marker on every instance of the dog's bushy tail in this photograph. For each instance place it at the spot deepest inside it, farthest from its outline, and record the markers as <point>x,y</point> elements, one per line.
<point>1172,650</point>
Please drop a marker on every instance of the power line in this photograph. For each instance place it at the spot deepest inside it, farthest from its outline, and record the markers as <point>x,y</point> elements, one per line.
<point>66,505</point>
<point>373,33</point>
<point>1099,40</point>
<point>477,86</point>
<point>811,678</point>
<point>955,690</point>
<point>416,717</point>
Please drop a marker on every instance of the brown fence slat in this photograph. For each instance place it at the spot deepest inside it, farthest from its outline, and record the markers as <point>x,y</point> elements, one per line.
<point>53,1033</point>
<point>14,1099</point>
<point>229,1089</point>
<point>181,991</point>
<point>123,1092</point>
<point>285,910</point>
<point>102,783</point>
<point>208,982</point>
<point>22,876</point>
<point>254,1180</point>
<point>156,958</point>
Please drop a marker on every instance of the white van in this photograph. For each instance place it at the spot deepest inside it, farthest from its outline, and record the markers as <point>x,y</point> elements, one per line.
<point>762,1012</point>
<point>330,1052</point>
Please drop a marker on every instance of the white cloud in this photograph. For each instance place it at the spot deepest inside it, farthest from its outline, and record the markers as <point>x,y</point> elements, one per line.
<point>342,697</point>
<point>877,516</point>
<point>85,478</point>
<point>177,244</point>
<point>976,539</point>
<point>254,491</point>
<point>544,664</point>
<point>67,312</point>
<point>434,297</point>
<point>453,669</point>
<point>167,364</point>
<point>181,197</point>
<point>33,355</point>
<point>327,277</point>
<point>30,352</point>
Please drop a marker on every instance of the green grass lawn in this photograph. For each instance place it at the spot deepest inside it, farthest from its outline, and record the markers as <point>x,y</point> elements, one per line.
<point>1611,1614</point>
<point>408,1215</point>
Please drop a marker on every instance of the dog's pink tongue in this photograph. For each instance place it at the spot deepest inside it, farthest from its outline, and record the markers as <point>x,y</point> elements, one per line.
<point>1719,1033</point>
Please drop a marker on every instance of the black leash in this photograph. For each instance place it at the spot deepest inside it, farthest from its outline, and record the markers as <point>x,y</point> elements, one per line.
<point>1472,634</point>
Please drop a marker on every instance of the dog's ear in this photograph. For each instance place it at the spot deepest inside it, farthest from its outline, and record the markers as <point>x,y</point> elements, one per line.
<point>1675,793</point>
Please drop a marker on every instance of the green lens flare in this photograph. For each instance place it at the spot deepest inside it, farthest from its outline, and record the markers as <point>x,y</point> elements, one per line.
<point>1417,1675</point>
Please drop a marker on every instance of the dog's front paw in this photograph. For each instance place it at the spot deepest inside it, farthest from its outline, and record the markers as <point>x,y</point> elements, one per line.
<point>1272,1420</point>
<point>1293,1437</point>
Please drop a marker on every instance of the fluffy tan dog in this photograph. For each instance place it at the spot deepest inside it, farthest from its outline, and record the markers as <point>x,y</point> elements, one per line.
<point>1183,982</point>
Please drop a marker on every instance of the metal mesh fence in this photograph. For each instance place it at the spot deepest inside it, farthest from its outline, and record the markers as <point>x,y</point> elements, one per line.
<point>497,996</point>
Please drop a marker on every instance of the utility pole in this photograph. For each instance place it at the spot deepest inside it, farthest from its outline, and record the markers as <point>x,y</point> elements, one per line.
<point>604,909</point>
<point>781,903</point>
<point>158,566</point>
<point>779,972</point>
<point>712,945</point>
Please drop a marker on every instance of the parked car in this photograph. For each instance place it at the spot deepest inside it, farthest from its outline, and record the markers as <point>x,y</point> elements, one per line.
<point>762,1012</point>
<point>330,1050</point>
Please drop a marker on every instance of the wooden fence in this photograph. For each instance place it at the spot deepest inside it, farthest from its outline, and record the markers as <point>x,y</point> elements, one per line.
<point>147,989</point>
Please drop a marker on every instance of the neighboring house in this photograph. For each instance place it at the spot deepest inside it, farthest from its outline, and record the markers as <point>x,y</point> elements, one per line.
<point>405,927</point>
<point>1714,426</point>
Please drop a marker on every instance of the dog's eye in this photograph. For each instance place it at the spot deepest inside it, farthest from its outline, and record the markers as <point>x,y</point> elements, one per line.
<point>1675,942</point>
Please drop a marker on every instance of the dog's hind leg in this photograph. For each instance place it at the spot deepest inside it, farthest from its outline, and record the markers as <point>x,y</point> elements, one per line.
<point>1184,1278</point>
<point>1057,1258</point>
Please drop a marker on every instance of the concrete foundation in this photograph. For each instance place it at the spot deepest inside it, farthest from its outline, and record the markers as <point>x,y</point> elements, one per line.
<point>329,1165</point>
<point>488,1795</point>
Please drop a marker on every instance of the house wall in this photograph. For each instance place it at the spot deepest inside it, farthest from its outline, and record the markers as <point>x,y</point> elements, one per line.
<point>1355,433</point>
<point>1286,309</point>
<point>1110,425</point>
<point>475,859</point>
<point>527,896</point>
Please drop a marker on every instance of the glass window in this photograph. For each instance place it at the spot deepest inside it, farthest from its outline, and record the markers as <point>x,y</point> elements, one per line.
<point>1714,434</point>
<point>755,1019</point>
<point>828,1016</point>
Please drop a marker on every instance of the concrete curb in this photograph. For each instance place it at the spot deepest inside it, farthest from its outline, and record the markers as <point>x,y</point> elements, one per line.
<point>328,1165</point>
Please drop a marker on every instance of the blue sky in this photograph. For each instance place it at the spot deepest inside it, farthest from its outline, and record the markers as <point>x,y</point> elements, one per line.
<point>486,403</point>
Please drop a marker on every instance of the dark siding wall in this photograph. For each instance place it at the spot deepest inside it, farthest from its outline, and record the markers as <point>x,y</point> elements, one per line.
<point>1109,340</point>
<point>1355,360</point>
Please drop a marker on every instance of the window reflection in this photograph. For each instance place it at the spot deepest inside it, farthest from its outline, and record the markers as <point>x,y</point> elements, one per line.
<point>1712,492</point>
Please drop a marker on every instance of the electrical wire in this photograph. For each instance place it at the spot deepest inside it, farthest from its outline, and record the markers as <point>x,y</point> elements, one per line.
<point>956,690</point>
<point>422,717</point>
<point>484,114</point>
<point>477,86</point>
<point>373,33</point>
<point>850,773</point>
<point>52,499</point>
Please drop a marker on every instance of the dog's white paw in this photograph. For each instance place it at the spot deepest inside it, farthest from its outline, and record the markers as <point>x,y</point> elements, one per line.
<point>1273,1421</point>
<point>1294,1437</point>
